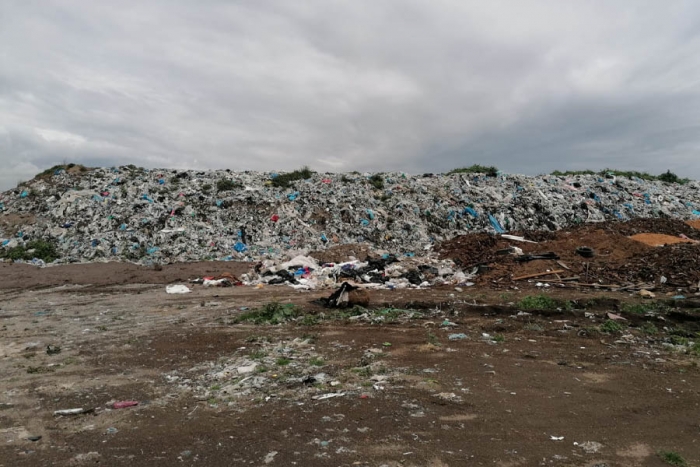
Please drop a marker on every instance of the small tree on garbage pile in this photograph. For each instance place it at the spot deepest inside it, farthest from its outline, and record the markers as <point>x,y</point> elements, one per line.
<point>285,180</point>
<point>377,181</point>
<point>670,177</point>
<point>489,171</point>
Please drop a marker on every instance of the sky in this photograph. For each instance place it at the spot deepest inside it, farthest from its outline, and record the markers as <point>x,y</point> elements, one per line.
<point>370,85</point>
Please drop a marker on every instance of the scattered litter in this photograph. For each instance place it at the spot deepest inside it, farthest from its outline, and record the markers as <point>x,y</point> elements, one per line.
<point>177,289</point>
<point>124,404</point>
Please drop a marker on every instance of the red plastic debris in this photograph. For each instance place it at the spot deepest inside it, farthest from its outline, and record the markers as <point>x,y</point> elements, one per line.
<point>275,218</point>
<point>124,404</point>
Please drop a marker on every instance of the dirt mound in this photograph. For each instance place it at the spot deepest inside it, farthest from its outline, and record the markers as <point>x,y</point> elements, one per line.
<point>673,227</point>
<point>694,224</point>
<point>618,258</point>
<point>678,263</point>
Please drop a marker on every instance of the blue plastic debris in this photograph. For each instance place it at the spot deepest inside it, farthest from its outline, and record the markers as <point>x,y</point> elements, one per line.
<point>219,202</point>
<point>24,194</point>
<point>370,213</point>
<point>161,181</point>
<point>471,212</point>
<point>495,224</point>
<point>122,227</point>
<point>240,247</point>
<point>293,196</point>
<point>147,198</point>
<point>696,213</point>
<point>5,242</point>
<point>152,250</point>
<point>324,239</point>
<point>364,222</point>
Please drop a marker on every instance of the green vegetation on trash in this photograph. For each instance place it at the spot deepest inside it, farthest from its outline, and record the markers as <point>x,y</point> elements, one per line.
<point>672,458</point>
<point>489,171</point>
<point>225,184</point>
<point>52,170</point>
<point>40,249</point>
<point>668,176</point>
<point>286,179</point>
<point>377,181</point>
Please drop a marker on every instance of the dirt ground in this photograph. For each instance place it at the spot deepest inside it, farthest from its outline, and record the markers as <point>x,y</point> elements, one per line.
<point>438,377</point>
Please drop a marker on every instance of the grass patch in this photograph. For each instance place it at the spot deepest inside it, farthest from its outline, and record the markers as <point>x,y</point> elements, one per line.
<point>316,361</point>
<point>649,329</point>
<point>611,327</point>
<point>639,308</point>
<point>283,361</point>
<point>541,302</point>
<point>499,338</point>
<point>489,171</point>
<point>286,179</point>
<point>672,458</point>
<point>270,313</point>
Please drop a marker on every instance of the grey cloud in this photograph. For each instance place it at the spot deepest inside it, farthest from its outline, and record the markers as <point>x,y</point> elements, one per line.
<point>396,85</point>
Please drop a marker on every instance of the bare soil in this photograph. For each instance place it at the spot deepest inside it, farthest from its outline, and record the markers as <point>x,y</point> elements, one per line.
<point>522,388</point>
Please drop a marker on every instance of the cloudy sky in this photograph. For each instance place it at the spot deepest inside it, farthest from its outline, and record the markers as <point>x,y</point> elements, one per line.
<point>529,86</point>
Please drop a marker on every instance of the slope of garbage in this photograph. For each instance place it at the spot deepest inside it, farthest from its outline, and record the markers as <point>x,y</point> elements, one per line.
<point>141,215</point>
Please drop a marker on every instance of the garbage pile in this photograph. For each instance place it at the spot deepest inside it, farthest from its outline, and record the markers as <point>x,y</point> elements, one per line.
<point>163,216</point>
<point>386,271</point>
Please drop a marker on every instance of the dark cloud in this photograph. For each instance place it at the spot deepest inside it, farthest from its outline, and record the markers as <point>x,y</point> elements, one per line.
<point>530,86</point>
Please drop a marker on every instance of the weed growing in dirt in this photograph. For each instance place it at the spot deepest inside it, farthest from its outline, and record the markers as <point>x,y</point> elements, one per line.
<point>283,361</point>
<point>499,338</point>
<point>611,327</point>
<point>316,361</point>
<point>538,302</point>
<point>533,327</point>
<point>433,339</point>
<point>649,329</point>
<point>642,308</point>
<point>270,313</point>
<point>672,458</point>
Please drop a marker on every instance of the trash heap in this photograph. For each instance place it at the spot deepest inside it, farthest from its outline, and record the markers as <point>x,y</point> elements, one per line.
<point>163,216</point>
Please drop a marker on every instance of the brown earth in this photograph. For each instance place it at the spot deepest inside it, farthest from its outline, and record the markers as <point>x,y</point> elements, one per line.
<point>653,239</point>
<point>619,259</point>
<point>410,395</point>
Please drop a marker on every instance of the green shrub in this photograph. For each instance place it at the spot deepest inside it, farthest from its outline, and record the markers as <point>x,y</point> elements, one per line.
<point>42,249</point>
<point>377,181</point>
<point>286,179</point>
<point>225,185</point>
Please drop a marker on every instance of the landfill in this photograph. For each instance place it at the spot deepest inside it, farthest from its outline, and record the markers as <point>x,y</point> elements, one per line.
<point>162,216</point>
